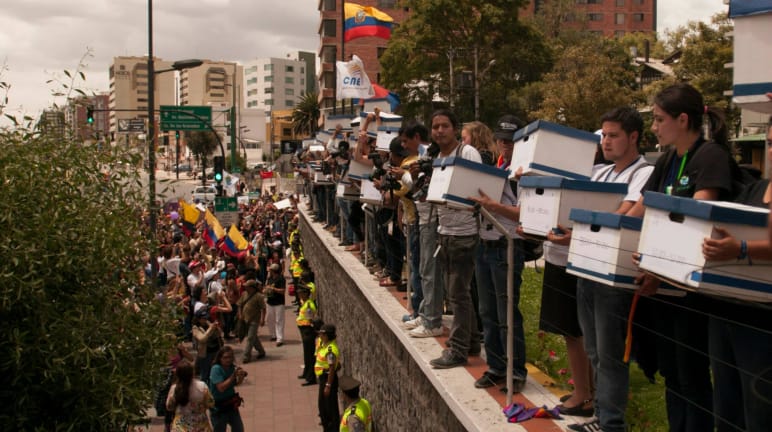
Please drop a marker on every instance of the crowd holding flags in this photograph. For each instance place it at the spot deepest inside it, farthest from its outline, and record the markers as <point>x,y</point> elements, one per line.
<point>232,243</point>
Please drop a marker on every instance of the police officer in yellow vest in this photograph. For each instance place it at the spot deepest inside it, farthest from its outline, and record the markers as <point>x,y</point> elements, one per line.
<point>357,415</point>
<point>328,361</point>
<point>305,322</point>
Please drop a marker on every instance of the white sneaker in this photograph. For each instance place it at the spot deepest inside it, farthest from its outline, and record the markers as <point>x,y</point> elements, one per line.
<point>413,323</point>
<point>423,332</point>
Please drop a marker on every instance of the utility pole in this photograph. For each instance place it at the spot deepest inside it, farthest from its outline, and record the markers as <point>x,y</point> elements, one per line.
<point>233,120</point>
<point>451,53</point>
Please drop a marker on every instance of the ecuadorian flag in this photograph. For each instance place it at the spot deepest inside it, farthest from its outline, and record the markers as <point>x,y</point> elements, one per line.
<point>214,232</point>
<point>190,215</point>
<point>363,21</point>
<point>235,244</point>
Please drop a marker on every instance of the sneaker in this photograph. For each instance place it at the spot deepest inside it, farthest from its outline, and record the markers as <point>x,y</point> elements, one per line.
<point>413,323</point>
<point>518,385</point>
<point>489,380</point>
<point>423,332</point>
<point>447,360</point>
<point>593,426</point>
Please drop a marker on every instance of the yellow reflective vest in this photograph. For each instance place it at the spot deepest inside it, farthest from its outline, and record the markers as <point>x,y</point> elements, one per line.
<point>325,353</point>
<point>360,410</point>
<point>306,314</point>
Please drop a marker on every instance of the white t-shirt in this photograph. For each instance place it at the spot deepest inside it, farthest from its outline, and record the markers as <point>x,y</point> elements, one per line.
<point>640,170</point>
<point>455,222</point>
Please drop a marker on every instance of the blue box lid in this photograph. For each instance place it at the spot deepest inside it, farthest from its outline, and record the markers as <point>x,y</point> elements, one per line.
<point>611,220</point>
<point>706,210</point>
<point>739,8</point>
<point>549,182</point>
<point>388,129</point>
<point>466,163</point>
<point>341,116</point>
<point>556,128</point>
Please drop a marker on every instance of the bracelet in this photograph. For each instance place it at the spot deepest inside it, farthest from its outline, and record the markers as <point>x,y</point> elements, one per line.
<point>743,250</point>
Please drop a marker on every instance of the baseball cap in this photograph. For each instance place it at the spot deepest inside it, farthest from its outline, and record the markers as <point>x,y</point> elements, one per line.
<point>506,127</point>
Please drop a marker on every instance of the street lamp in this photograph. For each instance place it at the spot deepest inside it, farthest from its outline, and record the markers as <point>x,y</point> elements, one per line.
<point>477,77</point>
<point>179,65</point>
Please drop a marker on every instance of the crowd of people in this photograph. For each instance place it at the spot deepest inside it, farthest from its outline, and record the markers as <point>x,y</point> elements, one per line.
<point>224,297</point>
<point>454,260</point>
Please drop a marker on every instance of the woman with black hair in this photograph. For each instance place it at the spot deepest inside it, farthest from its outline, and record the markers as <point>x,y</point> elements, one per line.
<point>189,399</point>
<point>224,378</point>
<point>698,165</point>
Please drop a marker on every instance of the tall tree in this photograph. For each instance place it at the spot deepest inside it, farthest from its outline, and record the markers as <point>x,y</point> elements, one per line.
<point>706,48</point>
<point>202,144</point>
<point>441,33</point>
<point>305,116</point>
<point>588,79</point>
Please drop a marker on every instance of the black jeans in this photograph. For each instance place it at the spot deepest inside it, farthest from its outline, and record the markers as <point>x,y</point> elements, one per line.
<point>328,405</point>
<point>308,337</point>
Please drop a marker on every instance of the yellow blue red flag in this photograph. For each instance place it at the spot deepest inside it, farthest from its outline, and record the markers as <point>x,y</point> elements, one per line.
<point>214,232</point>
<point>363,21</point>
<point>234,244</point>
<point>190,215</point>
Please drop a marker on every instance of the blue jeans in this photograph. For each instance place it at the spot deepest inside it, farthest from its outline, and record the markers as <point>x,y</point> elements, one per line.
<point>220,420</point>
<point>432,283</point>
<point>320,206</point>
<point>491,273</point>
<point>345,209</point>
<point>603,312</point>
<point>740,352</point>
<point>414,243</point>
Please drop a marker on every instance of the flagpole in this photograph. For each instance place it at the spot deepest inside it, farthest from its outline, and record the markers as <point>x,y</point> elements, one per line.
<point>342,45</point>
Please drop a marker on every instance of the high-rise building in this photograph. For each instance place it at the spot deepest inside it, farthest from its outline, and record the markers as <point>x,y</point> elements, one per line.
<point>331,48</point>
<point>278,83</point>
<point>129,87</point>
<point>609,17</point>
<point>76,116</point>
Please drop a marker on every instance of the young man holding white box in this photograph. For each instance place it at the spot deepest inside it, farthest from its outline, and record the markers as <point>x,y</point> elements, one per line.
<point>455,252</point>
<point>602,309</point>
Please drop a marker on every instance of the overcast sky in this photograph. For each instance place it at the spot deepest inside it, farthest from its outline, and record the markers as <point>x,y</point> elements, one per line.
<point>41,38</point>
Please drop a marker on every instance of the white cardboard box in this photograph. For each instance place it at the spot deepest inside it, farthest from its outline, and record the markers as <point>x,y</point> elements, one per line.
<point>546,202</point>
<point>333,120</point>
<point>752,54</point>
<point>602,245</point>
<point>671,245</point>
<point>544,148</point>
<point>455,179</point>
<point>358,171</point>
<point>369,194</point>
<point>320,178</point>
<point>385,135</point>
<point>347,191</point>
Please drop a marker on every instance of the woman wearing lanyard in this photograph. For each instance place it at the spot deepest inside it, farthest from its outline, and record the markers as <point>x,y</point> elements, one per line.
<point>699,168</point>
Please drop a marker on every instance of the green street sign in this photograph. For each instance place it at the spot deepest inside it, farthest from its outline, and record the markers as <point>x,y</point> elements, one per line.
<point>226,204</point>
<point>185,118</point>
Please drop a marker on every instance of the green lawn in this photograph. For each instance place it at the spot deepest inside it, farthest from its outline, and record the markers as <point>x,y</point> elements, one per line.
<point>646,409</point>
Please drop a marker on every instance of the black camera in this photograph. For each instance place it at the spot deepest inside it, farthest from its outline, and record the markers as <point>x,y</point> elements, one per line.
<point>376,158</point>
<point>421,185</point>
<point>326,168</point>
<point>389,183</point>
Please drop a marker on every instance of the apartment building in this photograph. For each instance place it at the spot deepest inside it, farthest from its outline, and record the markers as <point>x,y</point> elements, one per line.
<point>609,17</point>
<point>278,83</point>
<point>129,89</point>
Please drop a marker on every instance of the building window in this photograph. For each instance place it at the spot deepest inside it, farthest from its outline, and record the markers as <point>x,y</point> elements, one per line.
<point>268,78</point>
<point>619,18</point>
<point>638,2</point>
<point>268,67</point>
<point>619,33</point>
<point>328,5</point>
<point>386,4</point>
<point>217,95</point>
<point>252,81</point>
<point>289,80</point>
<point>594,1</point>
<point>637,17</point>
<point>289,69</point>
<point>289,92</point>
<point>620,2</point>
<point>268,90</point>
<point>268,102</point>
<point>289,103</point>
<point>595,17</point>
<point>302,81</point>
<point>252,92</point>
<point>302,69</point>
<point>381,50</point>
<point>286,131</point>
<point>329,28</point>
<point>251,70</point>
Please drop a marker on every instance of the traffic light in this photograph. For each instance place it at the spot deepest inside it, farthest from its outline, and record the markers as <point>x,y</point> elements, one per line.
<point>219,166</point>
<point>90,115</point>
<point>177,134</point>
